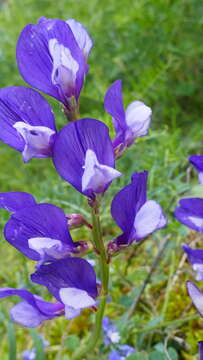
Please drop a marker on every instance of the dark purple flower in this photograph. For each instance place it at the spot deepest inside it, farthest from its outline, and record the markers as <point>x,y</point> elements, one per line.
<point>190,213</point>
<point>200,343</point>
<point>197,161</point>
<point>14,201</point>
<point>51,59</point>
<point>121,353</point>
<point>83,156</point>
<point>71,281</point>
<point>196,295</point>
<point>27,122</point>
<point>33,310</point>
<point>134,214</point>
<point>129,124</point>
<point>40,232</point>
<point>195,257</point>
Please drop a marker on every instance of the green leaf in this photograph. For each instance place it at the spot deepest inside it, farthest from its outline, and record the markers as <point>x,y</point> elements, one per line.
<point>156,355</point>
<point>173,354</point>
<point>72,342</point>
<point>137,356</point>
<point>11,341</point>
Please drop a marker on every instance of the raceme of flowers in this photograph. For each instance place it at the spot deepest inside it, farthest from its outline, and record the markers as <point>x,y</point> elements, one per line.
<point>52,57</point>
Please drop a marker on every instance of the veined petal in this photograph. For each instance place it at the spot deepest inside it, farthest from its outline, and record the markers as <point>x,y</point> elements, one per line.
<point>22,105</point>
<point>128,201</point>
<point>43,46</point>
<point>138,117</point>
<point>149,218</point>
<point>96,177</point>
<point>81,35</point>
<point>190,213</point>
<point>40,220</point>
<point>196,296</point>
<point>14,201</point>
<point>71,145</point>
<point>38,140</point>
<point>113,104</point>
<point>76,298</point>
<point>67,273</point>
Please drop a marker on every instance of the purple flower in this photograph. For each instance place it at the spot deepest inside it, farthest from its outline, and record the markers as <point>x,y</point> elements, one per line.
<point>27,122</point>
<point>121,353</point>
<point>197,161</point>
<point>195,257</point>
<point>134,214</point>
<point>50,57</point>
<point>129,124</point>
<point>200,343</point>
<point>190,213</point>
<point>40,232</point>
<point>33,310</point>
<point>83,156</point>
<point>196,295</point>
<point>111,334</point>
<point>72,281</point>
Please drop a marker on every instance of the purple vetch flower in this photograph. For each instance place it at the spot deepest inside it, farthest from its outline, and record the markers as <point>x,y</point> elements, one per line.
<point>129,124</point>
<point>33,310</point>
<point>14,201</point>
<point>83,156</point>
<point>122,352</point>
<point>50,59</point>
<point>200,343</point>
<point>81,36</point>
<point>41,233</point>
<point>196,295</point>
<point>195,257</point>
<point>72,281</point>
<point>134,214</point>
<point>197,162</point>
<point>27,122</point>
<point>190,213</point>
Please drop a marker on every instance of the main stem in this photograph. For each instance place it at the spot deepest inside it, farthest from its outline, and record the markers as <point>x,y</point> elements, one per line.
<point>92,340</point>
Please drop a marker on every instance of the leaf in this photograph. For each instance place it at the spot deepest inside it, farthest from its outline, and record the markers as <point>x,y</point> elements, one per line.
<point>137,356</point>
<point>11,341</point>
<point>72,342</point>
<point>156,355</point>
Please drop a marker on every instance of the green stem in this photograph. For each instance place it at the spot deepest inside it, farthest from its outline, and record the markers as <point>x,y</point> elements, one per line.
<point>99,246</point>
<point>93,338</point>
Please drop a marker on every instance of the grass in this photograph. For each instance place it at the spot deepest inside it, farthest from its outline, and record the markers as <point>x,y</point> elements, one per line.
<point>156,48</point>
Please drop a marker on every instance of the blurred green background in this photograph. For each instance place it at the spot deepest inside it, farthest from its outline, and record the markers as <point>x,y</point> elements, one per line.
<point>156,48</point>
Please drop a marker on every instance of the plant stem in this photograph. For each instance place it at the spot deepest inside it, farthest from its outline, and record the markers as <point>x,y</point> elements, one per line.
<point>93,338</point>
<point>99,245</point>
